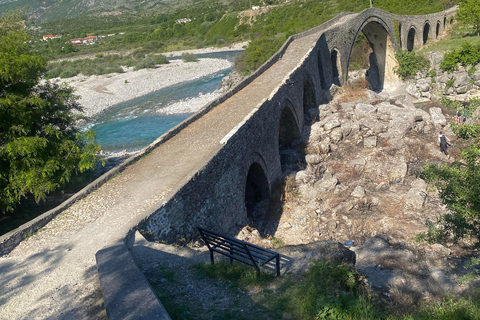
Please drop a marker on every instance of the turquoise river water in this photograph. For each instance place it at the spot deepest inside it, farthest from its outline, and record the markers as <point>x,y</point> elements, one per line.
<point>134,124</point>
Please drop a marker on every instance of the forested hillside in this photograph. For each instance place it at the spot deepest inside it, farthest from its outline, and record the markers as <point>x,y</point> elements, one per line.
<point>206,23</point>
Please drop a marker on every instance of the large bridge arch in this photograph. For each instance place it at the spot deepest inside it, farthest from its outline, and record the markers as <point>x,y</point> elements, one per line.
<point>382,60</point>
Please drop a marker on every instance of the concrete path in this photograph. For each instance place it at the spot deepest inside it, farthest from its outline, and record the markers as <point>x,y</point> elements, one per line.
<point>52,275</point>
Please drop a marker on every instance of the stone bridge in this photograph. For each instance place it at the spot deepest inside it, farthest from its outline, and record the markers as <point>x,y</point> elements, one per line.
<point>233,188</point>
<point>216,169</point>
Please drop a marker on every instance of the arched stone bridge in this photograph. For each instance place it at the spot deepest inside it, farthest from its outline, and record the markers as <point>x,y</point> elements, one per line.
<point>234,185</point>
<point>216,169</point>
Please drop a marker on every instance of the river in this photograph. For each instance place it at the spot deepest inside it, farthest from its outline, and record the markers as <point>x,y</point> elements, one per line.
<point>135,124</point>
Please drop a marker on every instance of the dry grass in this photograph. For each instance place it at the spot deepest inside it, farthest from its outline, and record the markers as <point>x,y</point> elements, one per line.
<point>290,189</point>
<point>353,91</point>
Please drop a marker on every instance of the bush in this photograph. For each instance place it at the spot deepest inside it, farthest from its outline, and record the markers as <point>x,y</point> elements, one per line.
<point>411,62</point>
<point>68,73</point>
<point>467,55</point>
<point>189,57</point>
<point>161,59</point>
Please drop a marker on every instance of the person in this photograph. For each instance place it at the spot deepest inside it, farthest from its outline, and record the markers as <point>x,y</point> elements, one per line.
<point>458,117</point>
<point>464,115</point>
<point>444,143</point>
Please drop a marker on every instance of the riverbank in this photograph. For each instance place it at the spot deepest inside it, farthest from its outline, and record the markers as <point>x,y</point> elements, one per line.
<point>97,93</point>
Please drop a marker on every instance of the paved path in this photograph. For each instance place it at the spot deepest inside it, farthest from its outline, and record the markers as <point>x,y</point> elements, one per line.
<point>52,275</point>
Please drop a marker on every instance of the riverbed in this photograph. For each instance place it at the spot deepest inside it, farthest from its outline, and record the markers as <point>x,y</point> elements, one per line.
<point>132,125</point>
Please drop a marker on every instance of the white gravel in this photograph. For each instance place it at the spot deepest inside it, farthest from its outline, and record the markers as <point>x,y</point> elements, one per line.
<point>98,93</point>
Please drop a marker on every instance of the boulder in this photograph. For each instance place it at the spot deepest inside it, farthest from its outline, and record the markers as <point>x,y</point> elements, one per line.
<point>302,175</point>
<point>442,250</point>
<point>444,78</point>
<point>413,91</point>
<point>327,183</point>
<point>465,89</point>
<point>435,59</point>
<point>415,199</point>
<point>423,87</point>
<point>461,79</point>
<point>313,159</point>
<point>438,119</point>
<point>370,142</point>
<point>476,76</point>
<point>347,128</point>
<point>329,126</point>
<point>363,109</point>
<point>336,135</point>
<point>358,192</point>
<point>427,95</point>
<point>398,170</point>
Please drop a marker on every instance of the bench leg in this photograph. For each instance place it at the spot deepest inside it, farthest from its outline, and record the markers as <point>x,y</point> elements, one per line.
<point>211,257</point>
<point>278,265</point>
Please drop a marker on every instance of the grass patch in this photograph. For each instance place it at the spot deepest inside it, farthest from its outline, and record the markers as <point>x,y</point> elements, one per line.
<point>237,273</point>
<point>456,37</point>
<point>325,291</point>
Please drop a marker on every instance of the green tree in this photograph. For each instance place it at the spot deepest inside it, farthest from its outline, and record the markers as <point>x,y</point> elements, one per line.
<point>40,148</point>
<point>458,187</point>
<point>469,13</point>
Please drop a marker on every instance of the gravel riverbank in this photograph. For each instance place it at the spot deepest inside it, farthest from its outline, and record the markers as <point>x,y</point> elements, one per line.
<point>98,93</point>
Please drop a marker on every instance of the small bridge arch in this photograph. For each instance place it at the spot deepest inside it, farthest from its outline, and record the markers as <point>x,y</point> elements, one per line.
<point>426,32</point>
<point>257,193</point>
<point>335,59</point>
<point>309,100</point>
<point>411,38</point>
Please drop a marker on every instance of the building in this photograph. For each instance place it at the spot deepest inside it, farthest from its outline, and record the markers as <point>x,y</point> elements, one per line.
<point>51,36</point>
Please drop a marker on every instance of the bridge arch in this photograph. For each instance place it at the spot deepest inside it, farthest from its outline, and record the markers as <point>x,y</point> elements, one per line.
<point>335,59</point>
<point>382,59</point>
<point>288,132</point>
<point>444,22</point>
<point>411,38</point>
<point>321,69</point>
<point>257,193</point>
<point>288,127</point>
<point>426,31</point>
<point>437,30</point>
<point>309,100</point>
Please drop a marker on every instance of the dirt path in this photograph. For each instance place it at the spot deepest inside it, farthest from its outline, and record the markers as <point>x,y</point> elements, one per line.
<point>53,273</point>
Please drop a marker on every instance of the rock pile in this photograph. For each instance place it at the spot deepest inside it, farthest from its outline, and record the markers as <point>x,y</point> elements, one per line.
<point>458,85</point>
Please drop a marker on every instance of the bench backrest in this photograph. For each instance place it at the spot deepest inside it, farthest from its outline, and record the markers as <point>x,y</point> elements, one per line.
<point>232,246</point>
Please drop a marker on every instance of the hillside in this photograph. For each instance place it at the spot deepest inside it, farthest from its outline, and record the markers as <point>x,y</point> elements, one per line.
<point>51,10</point>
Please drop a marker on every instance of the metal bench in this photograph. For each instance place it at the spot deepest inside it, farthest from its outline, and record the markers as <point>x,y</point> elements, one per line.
<point>239,250</point>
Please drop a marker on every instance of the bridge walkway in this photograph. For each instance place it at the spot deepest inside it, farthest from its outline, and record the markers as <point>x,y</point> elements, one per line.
<point>52,274</point>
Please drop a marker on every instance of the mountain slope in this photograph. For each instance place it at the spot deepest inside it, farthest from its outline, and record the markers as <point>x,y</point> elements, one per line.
<point>50,10</point>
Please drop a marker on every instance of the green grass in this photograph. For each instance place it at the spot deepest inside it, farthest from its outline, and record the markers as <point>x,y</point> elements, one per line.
<point>457,37</point>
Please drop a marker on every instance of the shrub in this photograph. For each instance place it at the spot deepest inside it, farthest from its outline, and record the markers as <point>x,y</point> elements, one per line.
<point>467,55</point>
<point>189,57</point>
<point>68,73</point>
<point>411,62</point>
